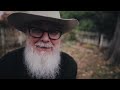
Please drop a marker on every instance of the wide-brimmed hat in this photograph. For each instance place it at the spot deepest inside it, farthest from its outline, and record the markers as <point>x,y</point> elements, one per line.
<point>19,19</point>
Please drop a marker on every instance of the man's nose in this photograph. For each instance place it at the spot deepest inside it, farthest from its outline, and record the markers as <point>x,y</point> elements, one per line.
<point>45,37</point>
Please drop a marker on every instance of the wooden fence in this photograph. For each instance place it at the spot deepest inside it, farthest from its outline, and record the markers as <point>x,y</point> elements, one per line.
<point>13,38</point>
<point>92,38</point>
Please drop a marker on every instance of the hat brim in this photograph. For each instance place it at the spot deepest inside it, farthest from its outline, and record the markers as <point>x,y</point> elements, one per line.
<point>19,19</point>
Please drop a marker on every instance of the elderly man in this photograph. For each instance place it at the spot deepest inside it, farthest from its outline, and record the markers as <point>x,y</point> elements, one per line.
<point>41,58</point>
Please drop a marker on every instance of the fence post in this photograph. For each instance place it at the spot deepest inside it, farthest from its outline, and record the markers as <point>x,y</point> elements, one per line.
<point>101,40</point>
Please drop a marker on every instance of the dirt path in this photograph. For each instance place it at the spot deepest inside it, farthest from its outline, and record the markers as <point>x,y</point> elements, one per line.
<point>88,59</point>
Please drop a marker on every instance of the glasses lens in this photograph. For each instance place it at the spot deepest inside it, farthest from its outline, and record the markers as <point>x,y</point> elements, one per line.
<point>36,32</point>
<point>54,34</point>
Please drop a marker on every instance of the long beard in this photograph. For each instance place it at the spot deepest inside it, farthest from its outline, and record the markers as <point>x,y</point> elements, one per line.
<point>42,65</point>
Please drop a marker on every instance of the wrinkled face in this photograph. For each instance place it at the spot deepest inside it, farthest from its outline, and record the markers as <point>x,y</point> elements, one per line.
<point>44,36</point>
<point>42,52</point>
<point>44,43</point>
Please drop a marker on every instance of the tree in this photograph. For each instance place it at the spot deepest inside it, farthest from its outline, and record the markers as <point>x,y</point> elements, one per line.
<point>95,21</point>
<point>113,52</point>
<point>102,22</point>
<point>106,22</point>
<point>86,25</point>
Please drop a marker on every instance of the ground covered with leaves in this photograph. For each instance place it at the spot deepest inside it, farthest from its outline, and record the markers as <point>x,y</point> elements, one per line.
<point>90,61</point>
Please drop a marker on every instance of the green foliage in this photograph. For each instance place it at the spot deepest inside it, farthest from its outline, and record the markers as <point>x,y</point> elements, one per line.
<point>95,21</point>
<point>86,25</point>
<point>70,36</point>
<point>77,14</point>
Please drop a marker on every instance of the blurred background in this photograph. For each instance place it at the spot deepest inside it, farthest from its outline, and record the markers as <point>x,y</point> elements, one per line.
<point>94,44</point>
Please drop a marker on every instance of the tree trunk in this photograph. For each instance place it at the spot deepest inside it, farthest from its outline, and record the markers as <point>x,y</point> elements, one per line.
<point>2,40</point>
<point>113,53</point>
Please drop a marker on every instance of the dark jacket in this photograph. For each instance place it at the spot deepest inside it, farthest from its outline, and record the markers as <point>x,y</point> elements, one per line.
<point>12,66</point>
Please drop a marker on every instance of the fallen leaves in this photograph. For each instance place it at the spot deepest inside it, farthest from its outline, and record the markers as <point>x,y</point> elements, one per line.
<point>90,61</point>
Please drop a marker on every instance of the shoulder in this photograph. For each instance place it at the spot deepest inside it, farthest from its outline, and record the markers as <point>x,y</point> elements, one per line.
<point>68,66</point>
<point>67,59</point>
<point>11,63</point>
<point>12,55</point>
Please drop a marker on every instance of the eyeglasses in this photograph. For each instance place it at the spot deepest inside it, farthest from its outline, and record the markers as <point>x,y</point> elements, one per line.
<point>38,33</point>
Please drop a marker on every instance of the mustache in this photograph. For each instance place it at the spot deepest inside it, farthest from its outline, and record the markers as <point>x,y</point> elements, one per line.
<point>41,44</point>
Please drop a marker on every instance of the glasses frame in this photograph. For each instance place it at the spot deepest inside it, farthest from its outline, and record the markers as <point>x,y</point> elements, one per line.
<point>43,31</point>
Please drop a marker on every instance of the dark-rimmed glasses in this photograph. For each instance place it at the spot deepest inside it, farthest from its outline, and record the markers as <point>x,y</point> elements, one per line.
<point>38,33</point>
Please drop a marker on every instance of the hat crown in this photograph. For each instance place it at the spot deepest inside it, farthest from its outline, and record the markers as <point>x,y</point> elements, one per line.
<point>53,14</point>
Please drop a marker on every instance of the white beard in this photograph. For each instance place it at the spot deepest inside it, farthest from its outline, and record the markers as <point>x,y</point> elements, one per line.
<point>42,65</point>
